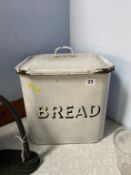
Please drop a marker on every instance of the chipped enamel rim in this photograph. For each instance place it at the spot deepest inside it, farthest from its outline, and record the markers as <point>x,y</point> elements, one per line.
<point>62,71</point>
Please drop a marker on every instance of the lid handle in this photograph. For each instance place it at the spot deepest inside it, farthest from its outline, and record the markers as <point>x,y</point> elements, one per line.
<point>63,47</point>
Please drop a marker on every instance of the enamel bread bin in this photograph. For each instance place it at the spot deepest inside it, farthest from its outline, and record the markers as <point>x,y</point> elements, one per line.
<point>65,96</point>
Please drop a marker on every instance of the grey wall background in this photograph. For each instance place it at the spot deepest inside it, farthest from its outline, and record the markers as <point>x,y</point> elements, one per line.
<point>29,27</point>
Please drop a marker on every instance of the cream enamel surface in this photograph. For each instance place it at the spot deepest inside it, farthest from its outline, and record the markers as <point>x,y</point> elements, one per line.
<point>64,91</point>
<point>48,64</point>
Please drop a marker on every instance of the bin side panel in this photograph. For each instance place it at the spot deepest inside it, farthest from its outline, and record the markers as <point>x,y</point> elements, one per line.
<point>66,109</point>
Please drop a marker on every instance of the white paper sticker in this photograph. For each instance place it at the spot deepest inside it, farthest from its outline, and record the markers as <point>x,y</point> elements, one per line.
<point>90,82</point>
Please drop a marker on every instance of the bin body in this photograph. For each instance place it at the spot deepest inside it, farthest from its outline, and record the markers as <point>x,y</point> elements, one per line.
<point>65,107</point>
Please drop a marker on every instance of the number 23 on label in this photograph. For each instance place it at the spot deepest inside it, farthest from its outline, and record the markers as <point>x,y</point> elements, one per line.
<point>90,82</point>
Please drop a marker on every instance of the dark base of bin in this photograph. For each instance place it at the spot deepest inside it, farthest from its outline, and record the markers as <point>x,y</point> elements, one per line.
<point>11,163</point>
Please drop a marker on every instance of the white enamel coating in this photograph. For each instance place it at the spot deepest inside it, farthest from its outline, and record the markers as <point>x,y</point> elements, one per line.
<point>65,91</point>
<point>65,97</point>
<point>47,64</point>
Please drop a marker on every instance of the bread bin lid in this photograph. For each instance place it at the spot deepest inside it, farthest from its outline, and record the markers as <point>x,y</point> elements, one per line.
<point>64,64</point>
